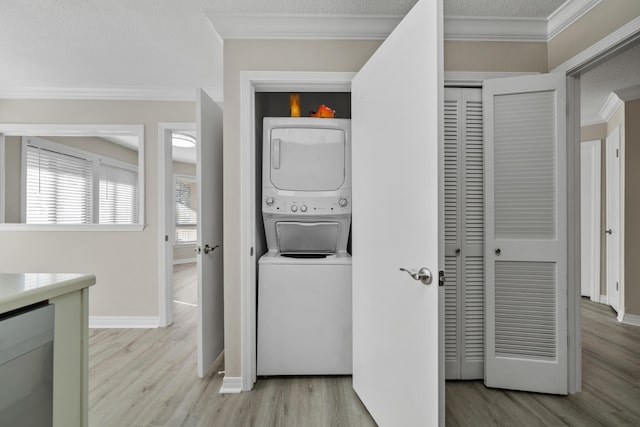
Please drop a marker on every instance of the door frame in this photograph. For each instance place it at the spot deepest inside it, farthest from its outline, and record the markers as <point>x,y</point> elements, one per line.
<point>594,226</point>
<point>283,81</point>
<point>620,262</point>
<point>573,68</point>
<point>166,218</point>
<point>250,83</point>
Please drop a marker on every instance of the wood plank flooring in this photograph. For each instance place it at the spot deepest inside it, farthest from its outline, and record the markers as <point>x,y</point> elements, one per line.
<point>146,377</point>
<point>610,384</point>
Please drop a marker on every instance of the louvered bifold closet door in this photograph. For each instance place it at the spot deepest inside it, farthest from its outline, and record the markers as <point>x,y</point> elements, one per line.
<point>453,134</point>
<point>464,231</point>
<point>526,233</point>
<point>472,268</point>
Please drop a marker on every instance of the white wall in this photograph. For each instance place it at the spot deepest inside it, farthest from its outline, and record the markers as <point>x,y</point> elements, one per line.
<point>263,55</point>
<point>125,263</point>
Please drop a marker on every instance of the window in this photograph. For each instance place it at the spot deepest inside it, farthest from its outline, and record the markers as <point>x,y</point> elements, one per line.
<point>186,204</point>
<point>65,185</point>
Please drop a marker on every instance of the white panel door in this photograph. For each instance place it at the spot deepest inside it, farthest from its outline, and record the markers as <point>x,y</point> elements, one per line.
<point>210,278</point>
<point>613,219</point>
<point>396,121</point>
<point>590,219</point>
<point>526,233</point>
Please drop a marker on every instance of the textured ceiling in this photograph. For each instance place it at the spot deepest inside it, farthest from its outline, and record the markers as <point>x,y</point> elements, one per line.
<point>160,43</point>
<point>115,43</point>
<point>617,73</point>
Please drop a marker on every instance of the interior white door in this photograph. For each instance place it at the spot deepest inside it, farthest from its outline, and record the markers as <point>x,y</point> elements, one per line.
<point>210,274</point>
<point>590,219</point>
<point>613,219</point>
<point>526,233</point>
<point>398,367</point>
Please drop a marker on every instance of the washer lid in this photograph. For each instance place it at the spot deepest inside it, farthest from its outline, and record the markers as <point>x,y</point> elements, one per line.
<point>307,237</point>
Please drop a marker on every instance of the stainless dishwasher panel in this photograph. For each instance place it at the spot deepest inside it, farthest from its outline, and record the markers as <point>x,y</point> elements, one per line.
<point>26,367</point>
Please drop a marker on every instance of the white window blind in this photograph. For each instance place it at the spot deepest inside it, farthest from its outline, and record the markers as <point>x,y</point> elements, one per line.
<point>58,187</point>
<point>186,204</point>
<point>118,194</point>
<point>65,185</point>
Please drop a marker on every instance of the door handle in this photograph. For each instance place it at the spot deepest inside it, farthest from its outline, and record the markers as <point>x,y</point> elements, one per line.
<point>423,275</point>
<point>208,248</point>
<point>609,231</point>
<point>275,154</point>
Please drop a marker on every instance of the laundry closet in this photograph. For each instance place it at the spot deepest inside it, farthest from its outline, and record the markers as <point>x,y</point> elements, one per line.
<point>303,218</point>
<point>463,235</point>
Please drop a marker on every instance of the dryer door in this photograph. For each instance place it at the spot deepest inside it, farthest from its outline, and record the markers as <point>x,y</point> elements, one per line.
<point>308,159</point>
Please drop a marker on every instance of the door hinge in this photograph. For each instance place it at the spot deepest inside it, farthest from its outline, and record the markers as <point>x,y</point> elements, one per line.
<point>251,251</point>
<point>617,152</point>
<point>441,278</point>
<point>166,238</point>
<point>617,286</point>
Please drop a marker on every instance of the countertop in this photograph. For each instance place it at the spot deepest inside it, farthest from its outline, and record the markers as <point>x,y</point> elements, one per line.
<point>22,289</point>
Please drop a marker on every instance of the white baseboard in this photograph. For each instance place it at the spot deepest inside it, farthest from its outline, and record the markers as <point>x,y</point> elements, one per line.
<point>117,322</point>
<point>603,299</point>
<point>184,261</point>
<point>231,385</point>
<point>631,319</point>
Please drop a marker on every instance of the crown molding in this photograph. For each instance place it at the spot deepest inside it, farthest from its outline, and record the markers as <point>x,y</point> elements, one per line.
<point>302,26</point>
<point>483,28</point>
<point>608,45</point>
<point>567,14</point>
<point>610,107</point>
<point>110,93</point>
<point>594,119</point>
<point>288,26</point>
<point>629,94</point>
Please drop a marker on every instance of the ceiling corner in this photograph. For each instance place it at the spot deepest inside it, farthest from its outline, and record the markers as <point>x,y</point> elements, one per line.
<point>629,94</point>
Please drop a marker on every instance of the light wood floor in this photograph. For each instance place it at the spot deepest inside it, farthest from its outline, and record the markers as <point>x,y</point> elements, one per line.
<point>146,377</point>
<point>610,384</point>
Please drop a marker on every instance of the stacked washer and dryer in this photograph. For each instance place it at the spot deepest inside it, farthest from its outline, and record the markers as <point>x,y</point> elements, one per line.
<point>304,280</point>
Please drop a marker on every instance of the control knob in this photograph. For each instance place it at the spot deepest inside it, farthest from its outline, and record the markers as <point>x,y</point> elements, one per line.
<point>294,208</point>
<point>303,208</point>
<point>343,202</point>
<point>270,201</point>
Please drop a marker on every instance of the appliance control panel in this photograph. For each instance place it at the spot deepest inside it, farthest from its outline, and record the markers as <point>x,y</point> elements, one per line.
<point>338,203</point>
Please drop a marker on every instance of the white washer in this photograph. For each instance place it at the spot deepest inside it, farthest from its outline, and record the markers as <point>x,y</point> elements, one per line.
<point>304,315</point>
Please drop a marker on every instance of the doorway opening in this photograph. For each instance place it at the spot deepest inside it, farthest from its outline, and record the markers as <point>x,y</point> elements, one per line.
<point>178,217</point>
<point>254,245</point>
